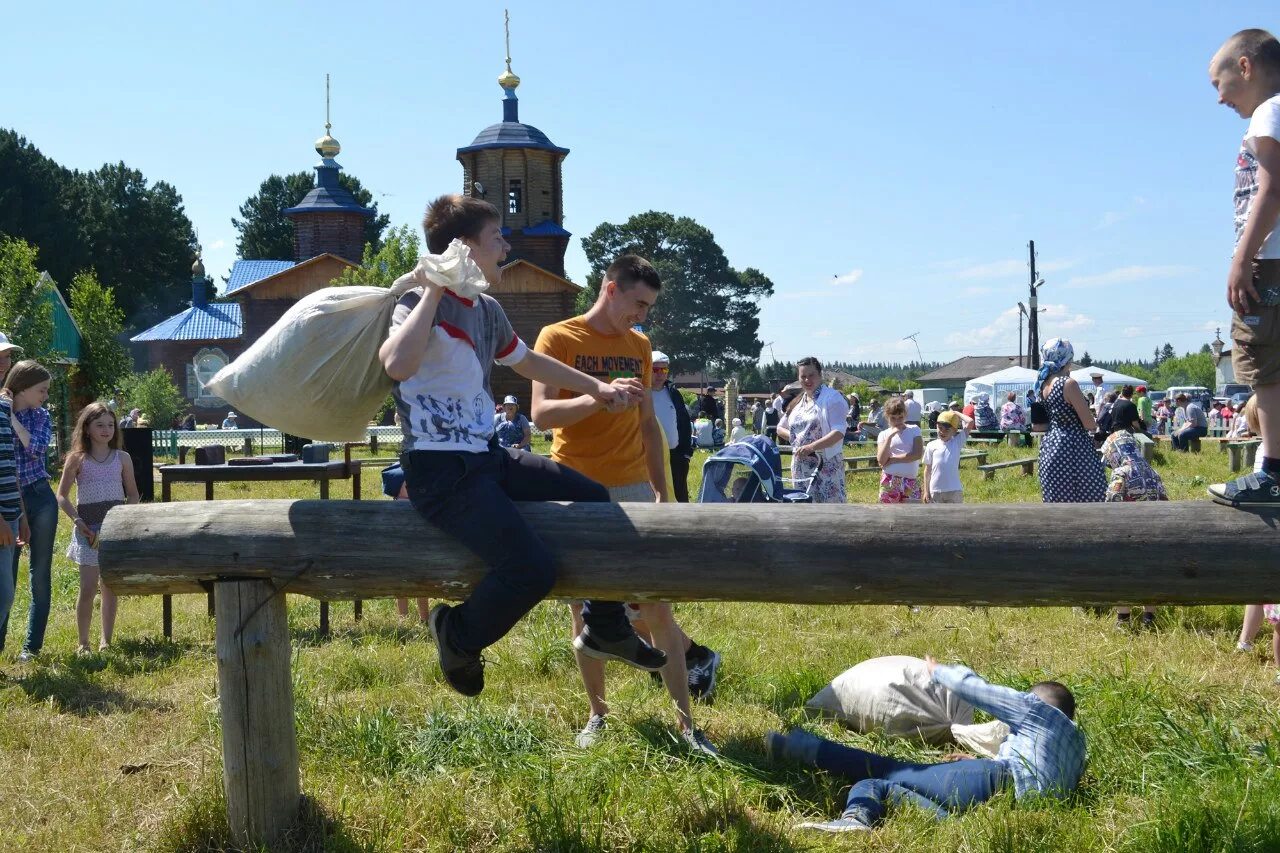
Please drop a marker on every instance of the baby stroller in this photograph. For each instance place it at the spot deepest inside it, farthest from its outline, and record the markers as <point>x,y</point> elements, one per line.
<point>749,471</point>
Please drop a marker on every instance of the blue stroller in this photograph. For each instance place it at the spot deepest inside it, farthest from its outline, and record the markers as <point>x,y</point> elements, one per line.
<point>749,471</point>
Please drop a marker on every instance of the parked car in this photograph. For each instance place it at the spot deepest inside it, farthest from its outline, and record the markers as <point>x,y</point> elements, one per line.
<point>1232,389</point>
<point>1238,400</point>
<point>1156,396</point>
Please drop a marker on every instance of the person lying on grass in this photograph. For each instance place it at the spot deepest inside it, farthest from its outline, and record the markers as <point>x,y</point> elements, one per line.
<point>1044,754</point>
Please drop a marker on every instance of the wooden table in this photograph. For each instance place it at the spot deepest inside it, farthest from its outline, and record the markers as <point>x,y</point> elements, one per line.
<point>321,472</point>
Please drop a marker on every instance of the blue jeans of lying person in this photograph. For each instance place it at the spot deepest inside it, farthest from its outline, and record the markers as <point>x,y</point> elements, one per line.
<point>471,497</point>
<point>940,789</point>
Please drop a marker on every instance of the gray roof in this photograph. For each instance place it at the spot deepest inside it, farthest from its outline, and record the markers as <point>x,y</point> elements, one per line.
<point>964,369</point>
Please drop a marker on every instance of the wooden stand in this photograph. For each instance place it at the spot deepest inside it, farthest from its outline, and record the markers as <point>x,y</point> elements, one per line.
<point>255,692</point>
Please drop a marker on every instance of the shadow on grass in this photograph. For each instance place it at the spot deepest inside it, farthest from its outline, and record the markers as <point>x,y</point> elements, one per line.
<point>201,827</point>
<point>357,634</point>
<point>148,654</point>
<point>72,689</point>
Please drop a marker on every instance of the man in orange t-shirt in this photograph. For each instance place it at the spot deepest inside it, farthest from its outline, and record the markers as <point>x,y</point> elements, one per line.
<point>619,446</point>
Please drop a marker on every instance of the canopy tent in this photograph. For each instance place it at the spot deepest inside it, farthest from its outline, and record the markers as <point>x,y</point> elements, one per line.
<point>1111,381</point>
<point>1000,383</point>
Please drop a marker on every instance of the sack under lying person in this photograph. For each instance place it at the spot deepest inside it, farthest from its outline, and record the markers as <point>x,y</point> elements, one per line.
<point>895,696</point>
<point>316,372</point>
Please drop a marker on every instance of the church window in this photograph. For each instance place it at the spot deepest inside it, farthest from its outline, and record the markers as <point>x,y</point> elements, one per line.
<point>200,372</point>
<point>515,197</point>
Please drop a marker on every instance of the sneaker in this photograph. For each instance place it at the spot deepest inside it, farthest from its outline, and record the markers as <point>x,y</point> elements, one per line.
<point>591,731</point>
<point>1255,489</point>
<point>630,650</point>
<point>697,742</point>
<point>1243,647</point>
<point>1148,621</point>
<point>1122,624</point>
<point>840,824</point>
<point>702,674</point>
<point>26,656</point>
<point>464,672</point>
<point>82,651</point>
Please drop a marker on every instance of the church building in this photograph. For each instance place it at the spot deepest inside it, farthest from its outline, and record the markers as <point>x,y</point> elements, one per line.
<point>512,165</point>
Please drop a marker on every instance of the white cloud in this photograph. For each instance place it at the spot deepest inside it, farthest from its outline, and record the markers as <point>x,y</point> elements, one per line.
<point>1132,331</point>
<point>1002,332</point>
<point>1111,217</point>
<point>1129,275</point>
<point>218,244</point>
<point>1009,268</point>
<point>851,277</point>
<point>822,333</point>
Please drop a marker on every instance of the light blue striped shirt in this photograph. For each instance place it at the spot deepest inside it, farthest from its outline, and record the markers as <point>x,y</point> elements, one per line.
<point>1045,751</point>
<point>10,496</point>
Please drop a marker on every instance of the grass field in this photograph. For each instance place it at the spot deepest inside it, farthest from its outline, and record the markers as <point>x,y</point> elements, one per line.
<point>121,751</point>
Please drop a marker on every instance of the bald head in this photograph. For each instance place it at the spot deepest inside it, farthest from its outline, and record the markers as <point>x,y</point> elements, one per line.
<point>1259,47</point>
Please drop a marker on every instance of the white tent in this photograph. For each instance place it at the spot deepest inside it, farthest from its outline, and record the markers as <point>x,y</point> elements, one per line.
<point>1019,379</point>
<point>1111,381</point>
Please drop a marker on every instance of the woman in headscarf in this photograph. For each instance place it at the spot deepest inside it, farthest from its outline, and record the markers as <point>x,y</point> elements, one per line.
<point>1012,418</point>
<point>984,417</point>
<point>1132,479</point>
<point>1070,470</point>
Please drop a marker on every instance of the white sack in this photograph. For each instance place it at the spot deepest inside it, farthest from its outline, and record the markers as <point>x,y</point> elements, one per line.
<point>893,695</point>
<point>316,372</point>
<point>982,739</point>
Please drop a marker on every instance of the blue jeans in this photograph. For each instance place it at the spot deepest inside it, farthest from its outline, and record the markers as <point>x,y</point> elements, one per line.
<point>42,517</point>
<point>471,497</point>
<point>941,789</point>
<point>1182,437</point>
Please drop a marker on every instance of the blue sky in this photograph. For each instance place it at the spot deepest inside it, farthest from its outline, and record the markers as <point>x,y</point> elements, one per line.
<point>884,166</point>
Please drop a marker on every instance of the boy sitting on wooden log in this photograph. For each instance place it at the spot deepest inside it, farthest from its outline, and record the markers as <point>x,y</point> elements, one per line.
<point>1044,754</point>
<point>438,354</point>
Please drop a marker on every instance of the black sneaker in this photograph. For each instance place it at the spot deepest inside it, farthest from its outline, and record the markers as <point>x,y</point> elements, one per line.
<point>1255,489</point>
<point>630,650</point>
<point>702,673</point>
<point>464,672</point>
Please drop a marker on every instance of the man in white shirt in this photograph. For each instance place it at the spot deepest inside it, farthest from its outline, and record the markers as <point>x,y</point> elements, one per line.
<point>1099,393</point>
<point>913,408</point>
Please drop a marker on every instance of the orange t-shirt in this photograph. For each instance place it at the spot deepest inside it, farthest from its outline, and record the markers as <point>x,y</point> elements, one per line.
<point>607,446</point>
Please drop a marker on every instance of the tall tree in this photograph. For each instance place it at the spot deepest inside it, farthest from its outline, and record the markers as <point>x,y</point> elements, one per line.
<point>26,316</point>
<point>141,241</point>
<point>103,359</point>
<point>398,255</point>
<point>267,234</point>
<point>1167,352</point>
<point>709,313</point>
<point>1086,360</point>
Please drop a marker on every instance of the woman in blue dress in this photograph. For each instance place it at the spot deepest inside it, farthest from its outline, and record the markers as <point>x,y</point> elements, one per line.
<point>1070,469</point>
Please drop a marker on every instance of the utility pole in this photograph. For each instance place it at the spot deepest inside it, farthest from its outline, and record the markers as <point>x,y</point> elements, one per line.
<point>1022,312</point>
<point>1033,318</point>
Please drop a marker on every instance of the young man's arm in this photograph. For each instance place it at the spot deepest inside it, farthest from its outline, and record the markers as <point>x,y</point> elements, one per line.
<point>1004,703</point>
<point>405,348</point>
<point>550,375</point>
<point>1264,213</point>
<point>655,449</point>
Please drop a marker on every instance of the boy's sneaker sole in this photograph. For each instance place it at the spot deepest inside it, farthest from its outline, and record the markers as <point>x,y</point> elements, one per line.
<point>632,651</point>
<point>1252,490</point>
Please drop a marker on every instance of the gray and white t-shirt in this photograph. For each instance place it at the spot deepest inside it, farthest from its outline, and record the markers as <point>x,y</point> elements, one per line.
<point>447,404</point>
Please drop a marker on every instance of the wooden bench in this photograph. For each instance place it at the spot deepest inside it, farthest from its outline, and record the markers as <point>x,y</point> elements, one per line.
<point>1148,446</point>
<point>1028,466</point>
<point>1243,453</point>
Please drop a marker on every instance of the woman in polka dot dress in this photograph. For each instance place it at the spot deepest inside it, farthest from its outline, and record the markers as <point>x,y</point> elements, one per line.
<point>1070,468</point>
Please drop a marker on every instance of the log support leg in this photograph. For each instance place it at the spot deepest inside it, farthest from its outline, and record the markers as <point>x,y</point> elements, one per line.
<point>1028,468</point>
<point>255,692</point>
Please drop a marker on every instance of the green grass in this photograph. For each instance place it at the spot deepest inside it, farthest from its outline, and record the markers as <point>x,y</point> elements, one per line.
<point>122,751</point>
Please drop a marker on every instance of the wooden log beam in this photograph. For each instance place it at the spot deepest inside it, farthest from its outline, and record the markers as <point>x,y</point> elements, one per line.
<point>1004,554</point>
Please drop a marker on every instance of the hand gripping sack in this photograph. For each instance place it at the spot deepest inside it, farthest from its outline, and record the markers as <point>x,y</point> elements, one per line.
<point>316,372</point>
<point>896,696</point>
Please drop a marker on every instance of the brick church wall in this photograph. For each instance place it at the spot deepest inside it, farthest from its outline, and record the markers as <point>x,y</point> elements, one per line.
<point>528,313</point>
<point>339,233</point>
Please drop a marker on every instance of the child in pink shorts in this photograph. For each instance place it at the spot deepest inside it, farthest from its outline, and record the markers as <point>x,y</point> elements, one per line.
<point>899,450</point>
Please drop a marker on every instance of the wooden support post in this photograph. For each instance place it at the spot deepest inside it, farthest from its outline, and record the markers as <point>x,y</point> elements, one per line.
<point>255,692</point>
<point>166,616</point>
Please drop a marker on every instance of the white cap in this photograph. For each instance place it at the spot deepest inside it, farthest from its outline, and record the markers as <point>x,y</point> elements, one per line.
<point>510,400</point>
<point>660,358</point>
<point>737,421</point>
<point>6,345</point>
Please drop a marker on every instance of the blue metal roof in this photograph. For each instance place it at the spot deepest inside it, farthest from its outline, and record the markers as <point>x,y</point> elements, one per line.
<point>328,196</point>
<point>545,228</point>
<point>245,273</point>
<point>216,322</point>
<point>512,134</point>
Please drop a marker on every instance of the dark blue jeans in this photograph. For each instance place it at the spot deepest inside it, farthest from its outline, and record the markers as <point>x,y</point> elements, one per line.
<point>42,517</point>
<point>942,789</point>
<point>471,497</point>
<point>1180,439</point>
